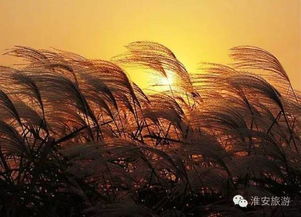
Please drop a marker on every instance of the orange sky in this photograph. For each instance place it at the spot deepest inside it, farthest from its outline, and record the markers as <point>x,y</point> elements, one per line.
<point>196,30</point>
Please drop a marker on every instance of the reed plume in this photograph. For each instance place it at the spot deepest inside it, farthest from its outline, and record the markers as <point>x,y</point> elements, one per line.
<point>79,138</point>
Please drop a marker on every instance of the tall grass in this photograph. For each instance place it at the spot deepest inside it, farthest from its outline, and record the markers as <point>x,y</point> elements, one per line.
<point>79,138</point>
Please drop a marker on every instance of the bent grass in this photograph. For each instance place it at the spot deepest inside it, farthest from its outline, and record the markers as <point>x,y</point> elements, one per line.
<point>79,138</point>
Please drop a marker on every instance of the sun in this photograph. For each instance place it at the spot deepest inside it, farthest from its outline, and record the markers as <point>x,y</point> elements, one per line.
<point>150,81</point>
<point>165,83</point>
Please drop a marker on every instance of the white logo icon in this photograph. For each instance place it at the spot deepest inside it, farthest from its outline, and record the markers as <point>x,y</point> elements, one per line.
<point>243,203</point>
<point>238,199</point>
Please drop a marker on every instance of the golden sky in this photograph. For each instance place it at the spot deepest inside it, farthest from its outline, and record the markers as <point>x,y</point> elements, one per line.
<point>196,30</point>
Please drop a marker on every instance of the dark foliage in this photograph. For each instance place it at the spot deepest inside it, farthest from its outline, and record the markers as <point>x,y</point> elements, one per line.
<point>79,138</point>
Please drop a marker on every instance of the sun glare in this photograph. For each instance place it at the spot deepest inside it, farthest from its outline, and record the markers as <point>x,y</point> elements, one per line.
<point>163,83</point>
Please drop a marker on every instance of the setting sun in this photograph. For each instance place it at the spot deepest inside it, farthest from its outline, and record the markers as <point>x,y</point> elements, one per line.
<point>162,83</point>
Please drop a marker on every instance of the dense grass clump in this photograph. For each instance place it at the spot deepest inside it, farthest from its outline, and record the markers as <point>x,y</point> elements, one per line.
<point>79,138</point>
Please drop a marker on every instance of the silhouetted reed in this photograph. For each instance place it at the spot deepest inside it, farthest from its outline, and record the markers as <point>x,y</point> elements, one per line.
<point>79,138</point>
